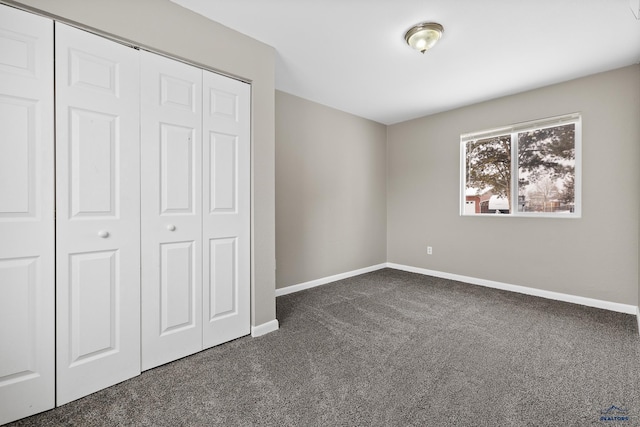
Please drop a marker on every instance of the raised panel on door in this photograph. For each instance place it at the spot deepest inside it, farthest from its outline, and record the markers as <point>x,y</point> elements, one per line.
<point>226,200</point>
<point>93,294</point>
<point>27,371</point>
<point>171,210</point>
<point>98,213</point>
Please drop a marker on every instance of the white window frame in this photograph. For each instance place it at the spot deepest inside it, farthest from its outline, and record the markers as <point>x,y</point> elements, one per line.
<point>514,130</point>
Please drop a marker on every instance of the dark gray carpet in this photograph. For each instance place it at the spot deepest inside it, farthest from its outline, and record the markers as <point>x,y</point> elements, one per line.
<point>392,348</point>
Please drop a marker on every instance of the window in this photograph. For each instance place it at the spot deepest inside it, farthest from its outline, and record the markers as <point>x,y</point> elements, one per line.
<point>528,169</point>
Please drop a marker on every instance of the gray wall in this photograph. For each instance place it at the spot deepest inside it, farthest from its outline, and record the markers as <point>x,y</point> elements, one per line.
<point>595,256</point>
<point>166,27</point>
<point>330,191</point>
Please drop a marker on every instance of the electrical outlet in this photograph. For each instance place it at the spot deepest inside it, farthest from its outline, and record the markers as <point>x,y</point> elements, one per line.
<point>429,250</point>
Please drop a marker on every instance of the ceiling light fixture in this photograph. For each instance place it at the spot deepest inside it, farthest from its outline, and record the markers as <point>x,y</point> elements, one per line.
<point>424,36</point>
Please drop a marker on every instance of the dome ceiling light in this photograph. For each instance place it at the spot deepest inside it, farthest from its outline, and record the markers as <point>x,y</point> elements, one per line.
<point>424,36</point>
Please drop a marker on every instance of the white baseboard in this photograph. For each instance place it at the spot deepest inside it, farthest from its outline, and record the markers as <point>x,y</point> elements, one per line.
<point>574,299</point>
<point>265,328</point>
<point>325,280</point>
<point>590,302</point>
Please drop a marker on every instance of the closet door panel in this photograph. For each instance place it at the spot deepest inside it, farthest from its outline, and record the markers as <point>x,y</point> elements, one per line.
<point>226,199</point>
<point>98,213</point>
<point>171,210</point>
<point>27,371</point>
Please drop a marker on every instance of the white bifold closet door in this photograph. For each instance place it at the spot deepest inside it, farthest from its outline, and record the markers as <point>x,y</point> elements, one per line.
<point>195,209</point>
<point>98,213</point>
<point>26,215</point>
<point>226,200</point>
<point>171,210</point>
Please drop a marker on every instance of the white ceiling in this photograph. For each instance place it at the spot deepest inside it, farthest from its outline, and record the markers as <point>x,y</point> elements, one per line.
<point>351,54</point>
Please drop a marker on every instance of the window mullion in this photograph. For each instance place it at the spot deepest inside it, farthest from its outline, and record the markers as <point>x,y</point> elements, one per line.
<point>514,174</point>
